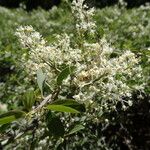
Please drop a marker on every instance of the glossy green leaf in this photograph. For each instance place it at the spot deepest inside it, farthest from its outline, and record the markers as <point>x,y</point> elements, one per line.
<point>6,120</point>
<point>10,116</point>
<point>40,79</point>
<point>62,108</point>
<point>76,129</point>
<point>71,103</point>
<point>64,74</point>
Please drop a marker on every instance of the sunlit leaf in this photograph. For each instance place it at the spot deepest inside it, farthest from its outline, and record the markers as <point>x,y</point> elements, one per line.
<point>6,120</point>
<point>62,108</point>
<point>11,116</point>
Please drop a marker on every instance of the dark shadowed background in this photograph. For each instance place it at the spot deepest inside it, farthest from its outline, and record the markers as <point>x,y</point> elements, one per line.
<point>47,4</point>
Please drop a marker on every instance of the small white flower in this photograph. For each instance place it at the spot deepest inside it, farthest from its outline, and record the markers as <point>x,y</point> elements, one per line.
<point>130,103</point>
<point>3,107</point>
<point>106,120</point>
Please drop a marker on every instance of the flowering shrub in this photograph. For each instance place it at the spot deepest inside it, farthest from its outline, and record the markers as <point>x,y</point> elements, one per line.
<point>74,71</point>
<point>97,75</point>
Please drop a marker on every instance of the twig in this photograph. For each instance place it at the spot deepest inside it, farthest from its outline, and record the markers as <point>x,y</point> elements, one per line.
<point>47,99</point>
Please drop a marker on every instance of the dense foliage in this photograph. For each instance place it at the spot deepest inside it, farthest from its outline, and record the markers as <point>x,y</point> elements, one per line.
<point>116,127</point>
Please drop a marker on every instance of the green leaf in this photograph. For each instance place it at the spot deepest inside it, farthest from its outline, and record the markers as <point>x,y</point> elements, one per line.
<point>40,79</point>
<point>76,129</point>
<point>54,125</point>
<point>16,113</point>
<point>62,108</point>
<point>64,74</point>
<point>70,103</point>
<point>6,120</point>
<point>10,116</point>
<point>28,100</point>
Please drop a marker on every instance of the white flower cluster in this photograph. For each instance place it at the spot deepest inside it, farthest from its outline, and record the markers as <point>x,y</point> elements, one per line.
<point>83,17</point>
<point>99,76</point>
<point>50,57</point>
<point>29,37</point>
<point>107,79</point>
<point>3,107</point>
